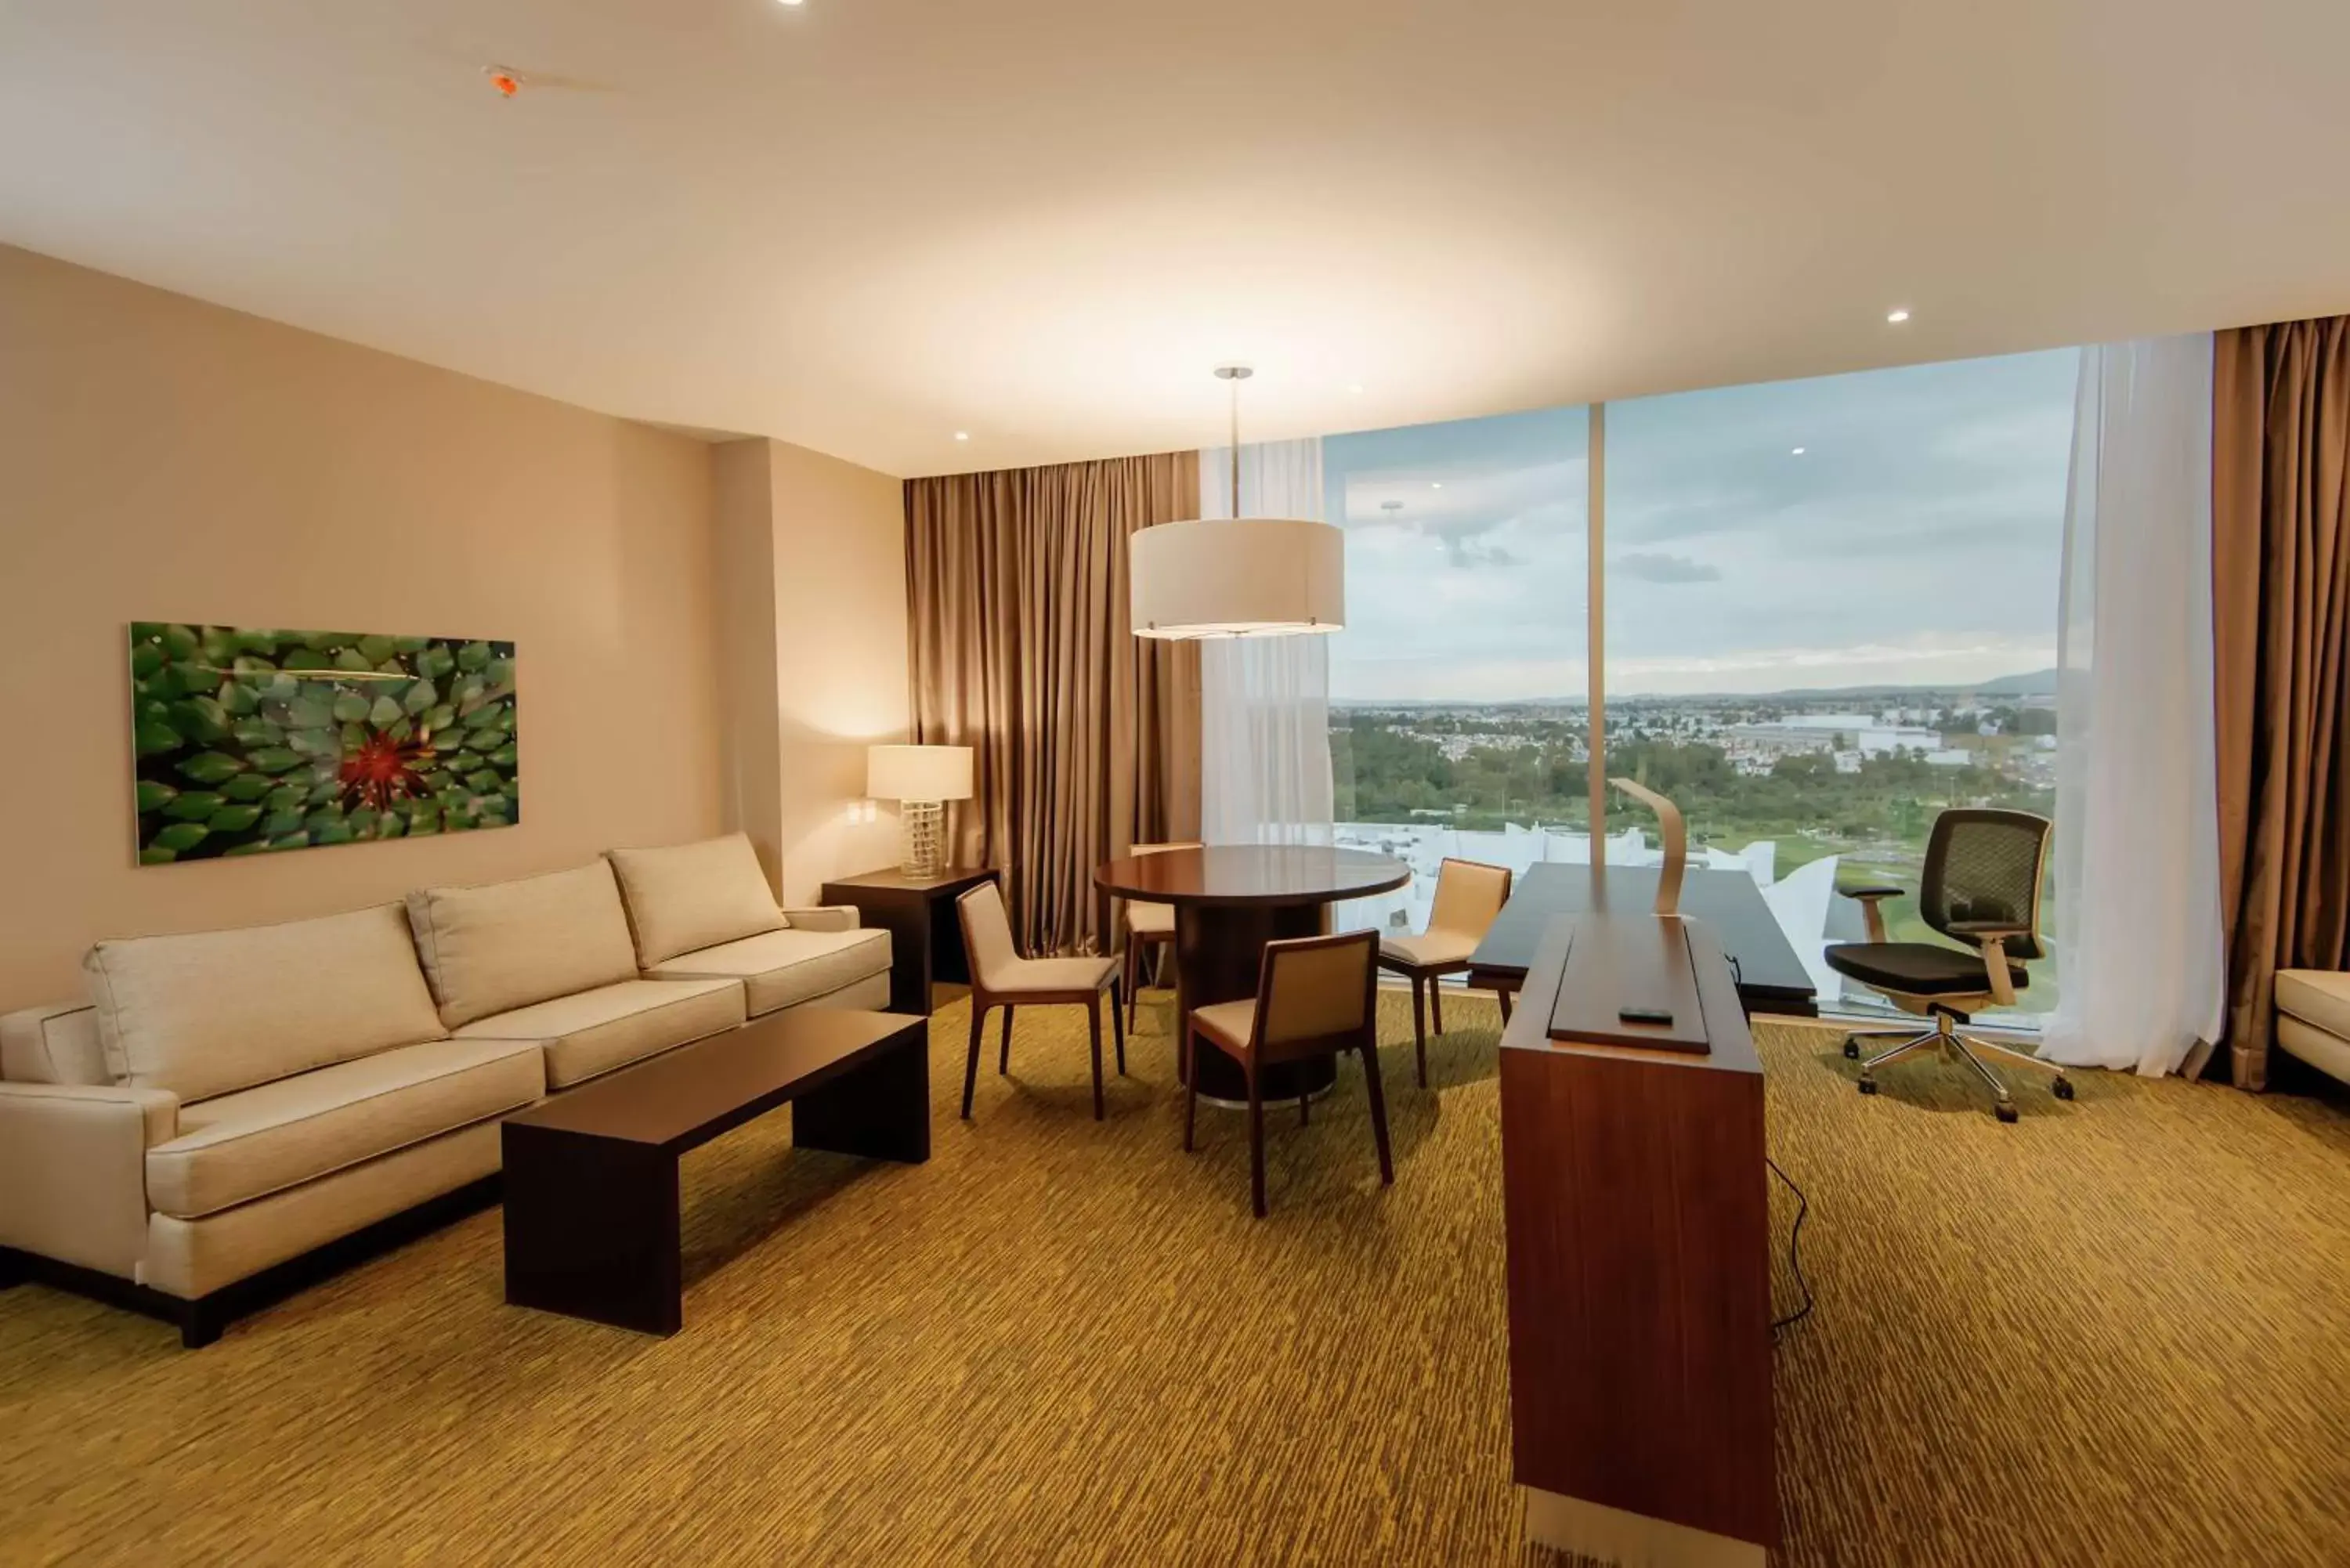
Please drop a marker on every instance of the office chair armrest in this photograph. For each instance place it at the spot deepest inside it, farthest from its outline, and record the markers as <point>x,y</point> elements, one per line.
<point>1868,897</point>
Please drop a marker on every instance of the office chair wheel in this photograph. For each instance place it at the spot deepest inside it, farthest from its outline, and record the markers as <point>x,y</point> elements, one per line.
<point>2006,1112</point>
<point>2061,1088</point>
<point>1852,1047</point>
<point>1868,1085</point>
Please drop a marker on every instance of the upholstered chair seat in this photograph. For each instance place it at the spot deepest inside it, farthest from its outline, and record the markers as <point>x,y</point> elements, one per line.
<point>1430,949</point>
<point>1015,977</point>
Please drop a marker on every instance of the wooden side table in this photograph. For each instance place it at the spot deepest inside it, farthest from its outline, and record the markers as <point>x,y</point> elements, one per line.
<point>925,941</point>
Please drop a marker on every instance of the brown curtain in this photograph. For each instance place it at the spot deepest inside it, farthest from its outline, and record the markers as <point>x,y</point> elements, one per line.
<point>2280,611</point>
<point>1088,737</point>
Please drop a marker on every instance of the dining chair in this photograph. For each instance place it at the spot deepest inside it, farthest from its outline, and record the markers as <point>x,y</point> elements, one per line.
<point>1000,977</point>
<point>1148,929</point>
<point>1469,897</point>
<point>1315,996</point>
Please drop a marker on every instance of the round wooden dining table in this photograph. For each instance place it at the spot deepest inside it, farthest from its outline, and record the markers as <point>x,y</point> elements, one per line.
<point>1229,900</point>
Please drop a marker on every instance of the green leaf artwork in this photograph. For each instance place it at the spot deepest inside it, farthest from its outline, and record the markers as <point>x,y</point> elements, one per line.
<point>250,742</point>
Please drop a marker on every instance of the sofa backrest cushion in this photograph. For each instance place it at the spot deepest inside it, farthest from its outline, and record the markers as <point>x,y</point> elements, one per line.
<point>495,949</point>
<point>57,1043</point>
<point>212,1012</point>
<point>691,896</point>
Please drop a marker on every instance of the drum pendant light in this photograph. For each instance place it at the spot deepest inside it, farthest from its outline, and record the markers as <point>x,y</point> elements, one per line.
<point>1245,577</point>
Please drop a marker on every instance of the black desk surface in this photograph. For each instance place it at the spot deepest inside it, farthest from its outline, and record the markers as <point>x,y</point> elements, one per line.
<point>1770,978</point>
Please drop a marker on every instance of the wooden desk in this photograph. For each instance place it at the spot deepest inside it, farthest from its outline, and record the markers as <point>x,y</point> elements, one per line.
<point>1770,978</point>
<point>1638,1219</point>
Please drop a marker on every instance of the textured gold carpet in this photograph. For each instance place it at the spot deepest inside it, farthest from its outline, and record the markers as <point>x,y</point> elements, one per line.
<point>2118,1332</point>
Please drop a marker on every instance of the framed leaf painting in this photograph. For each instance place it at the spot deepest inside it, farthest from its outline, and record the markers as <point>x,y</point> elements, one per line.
<point>250,741</point>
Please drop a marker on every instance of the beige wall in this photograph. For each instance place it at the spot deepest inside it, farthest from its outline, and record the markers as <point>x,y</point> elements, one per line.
<point>830,545</point>
<point>743,546</point>
<point>160,459</point>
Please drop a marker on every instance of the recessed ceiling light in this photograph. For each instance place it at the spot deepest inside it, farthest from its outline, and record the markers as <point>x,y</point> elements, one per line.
<point>1437,485</point>
<point>1896,317</point>
<point>789,2</point>
<point>960,435</point>
<point>1797,453</point>
<point>1356,387</point>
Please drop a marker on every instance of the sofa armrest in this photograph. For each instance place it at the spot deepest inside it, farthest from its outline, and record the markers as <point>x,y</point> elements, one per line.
<point>828,918</point>
<point>73,1170</point>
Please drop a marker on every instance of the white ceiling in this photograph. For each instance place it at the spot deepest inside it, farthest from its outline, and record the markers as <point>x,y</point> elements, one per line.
<point>865,224</point>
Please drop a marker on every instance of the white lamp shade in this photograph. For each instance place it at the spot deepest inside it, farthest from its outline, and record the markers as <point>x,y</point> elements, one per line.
<point>1252,576</point>
<point>918,773</point>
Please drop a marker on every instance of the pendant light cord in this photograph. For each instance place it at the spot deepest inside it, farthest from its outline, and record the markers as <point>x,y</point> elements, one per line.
<point>1236,448</point>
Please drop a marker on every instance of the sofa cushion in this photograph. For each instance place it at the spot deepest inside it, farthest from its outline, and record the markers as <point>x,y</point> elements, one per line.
<point>593,1031</point>
<point>494,949</point>
<point>2315,996</point>
<point>783,968</point>
<point>57,1043</point>
<point>691,896</point>
<point>236,1148</point>
<point>188,1257</point>
<point>2321,1048</point>
<point>213,1011</point>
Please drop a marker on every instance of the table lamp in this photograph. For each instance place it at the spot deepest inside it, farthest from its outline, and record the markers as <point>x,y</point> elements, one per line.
<point>920,779</point>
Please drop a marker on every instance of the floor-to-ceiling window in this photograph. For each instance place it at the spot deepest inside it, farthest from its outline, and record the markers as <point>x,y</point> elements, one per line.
<point>1456,716</point>
<point>1830,613</point>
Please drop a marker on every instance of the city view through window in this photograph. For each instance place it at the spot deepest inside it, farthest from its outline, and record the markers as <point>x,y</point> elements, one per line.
<point>1830,612</point>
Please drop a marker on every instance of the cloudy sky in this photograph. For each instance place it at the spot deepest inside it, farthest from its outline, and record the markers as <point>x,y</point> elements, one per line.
<point>1914,538</point>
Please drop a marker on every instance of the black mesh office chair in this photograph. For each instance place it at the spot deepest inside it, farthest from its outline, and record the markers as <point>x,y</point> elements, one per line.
<point>1980,887</point>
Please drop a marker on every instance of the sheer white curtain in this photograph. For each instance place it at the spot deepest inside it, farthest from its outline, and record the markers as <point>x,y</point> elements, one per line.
<point>1264,701</point>
<point>2140,967</point>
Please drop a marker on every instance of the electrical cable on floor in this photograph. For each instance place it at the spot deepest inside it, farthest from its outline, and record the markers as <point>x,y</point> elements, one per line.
<point>1802,1204</point>
<point>1794,1255</point>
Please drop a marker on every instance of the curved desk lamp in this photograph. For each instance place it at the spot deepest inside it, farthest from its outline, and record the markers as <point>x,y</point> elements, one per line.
<point>1676,836</point>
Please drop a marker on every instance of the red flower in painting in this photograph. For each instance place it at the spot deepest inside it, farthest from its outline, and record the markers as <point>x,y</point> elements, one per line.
<point>384,770</point>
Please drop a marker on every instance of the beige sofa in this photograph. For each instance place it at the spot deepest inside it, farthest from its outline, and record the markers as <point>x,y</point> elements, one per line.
<point>2313,1018</point>
<point>227,1113</point>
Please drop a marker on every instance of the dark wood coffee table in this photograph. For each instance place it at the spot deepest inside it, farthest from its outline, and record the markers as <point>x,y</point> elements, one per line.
<point>591,1212</point>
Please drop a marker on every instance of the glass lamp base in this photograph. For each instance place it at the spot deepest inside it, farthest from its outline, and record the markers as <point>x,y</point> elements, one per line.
<point>923,825</point>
